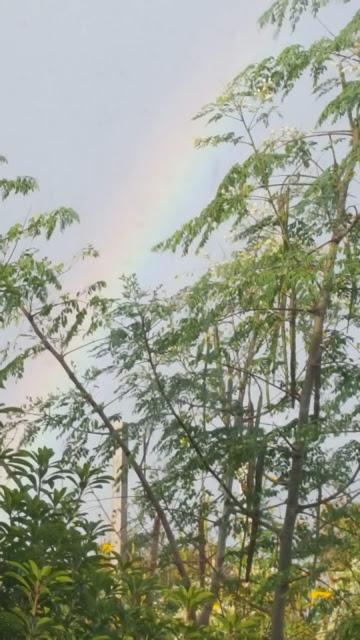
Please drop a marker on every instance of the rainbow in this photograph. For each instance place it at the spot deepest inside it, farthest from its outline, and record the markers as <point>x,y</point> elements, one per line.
<point>155,202</point>
<point>153,205</point>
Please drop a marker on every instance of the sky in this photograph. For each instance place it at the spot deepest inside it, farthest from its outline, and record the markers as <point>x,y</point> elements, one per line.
<point>97,99</point>
<point>97,104</point>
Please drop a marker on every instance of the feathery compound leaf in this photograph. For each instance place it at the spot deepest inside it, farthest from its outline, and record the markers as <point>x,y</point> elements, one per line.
<point>21,185</point>
<point>291,10</point>
<point>348,101</point>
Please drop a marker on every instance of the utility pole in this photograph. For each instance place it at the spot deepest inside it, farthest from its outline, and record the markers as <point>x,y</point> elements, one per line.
<point>119,517</point>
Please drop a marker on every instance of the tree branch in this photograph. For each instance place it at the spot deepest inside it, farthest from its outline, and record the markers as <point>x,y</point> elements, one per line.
<point>119,441</point>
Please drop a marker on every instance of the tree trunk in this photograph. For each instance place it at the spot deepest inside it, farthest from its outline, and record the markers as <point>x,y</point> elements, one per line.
<point>124,491</point>
<point>120,496</point>
<point>298,452</point>
<point>216,575</point>
<point>255,523</point>
<point>155,542</point>
<point>202,547</point>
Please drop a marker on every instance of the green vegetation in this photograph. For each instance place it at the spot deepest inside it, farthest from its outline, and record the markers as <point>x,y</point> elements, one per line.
<point>239,393</point>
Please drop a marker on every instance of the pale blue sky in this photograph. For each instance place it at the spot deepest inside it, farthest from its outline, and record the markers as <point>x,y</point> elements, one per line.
<point>97,100</point>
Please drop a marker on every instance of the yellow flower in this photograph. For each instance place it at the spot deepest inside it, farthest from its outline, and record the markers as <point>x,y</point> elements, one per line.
<point>106,548</point>
<point>320,594</point>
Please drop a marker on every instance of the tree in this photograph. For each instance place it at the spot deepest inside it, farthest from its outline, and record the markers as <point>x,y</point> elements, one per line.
<point>57,580</point>
<point>297,262</point>
<point>239,392</point>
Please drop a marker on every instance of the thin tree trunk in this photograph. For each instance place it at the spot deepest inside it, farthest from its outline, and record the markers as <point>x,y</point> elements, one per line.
<point>155,543</point>
<point>255,523</point>
<point>215,582</point>
<point>298,453</point>
<point>255,498</point>
<point>124,491</point>
<point>292,332</point>
<point>202,546</point>
<point>226,391</point>
<point>216,575</point>
<point>317,529</point>
<point>120,496</point>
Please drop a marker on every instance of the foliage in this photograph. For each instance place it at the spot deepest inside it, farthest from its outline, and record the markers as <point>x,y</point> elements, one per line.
<point>55,580</point>
<point>239,393</point>
<point>280,10</point>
